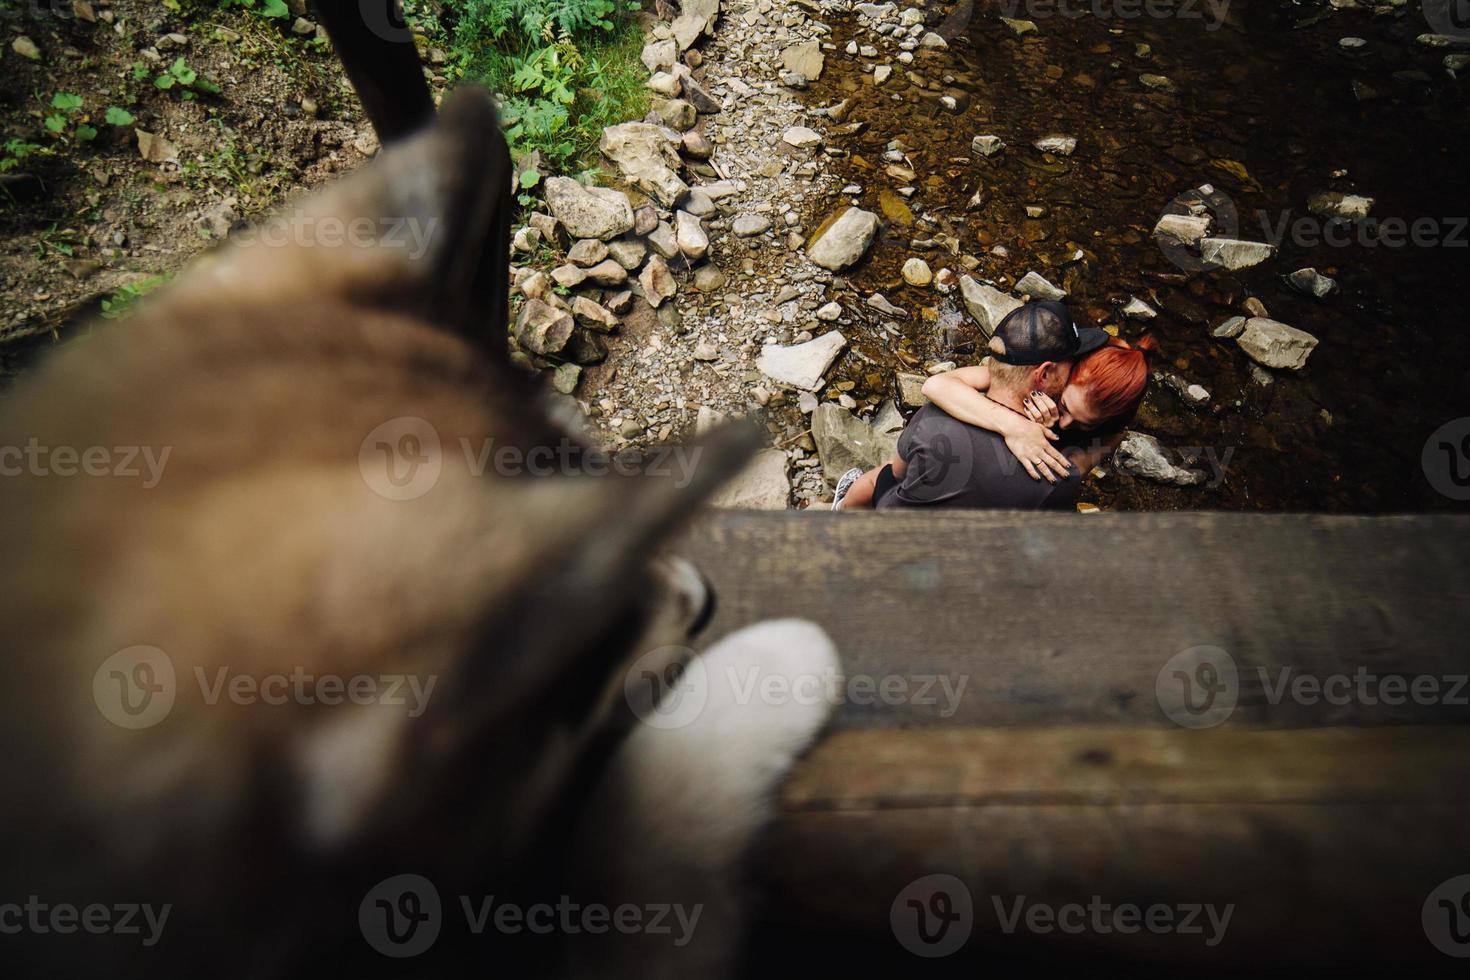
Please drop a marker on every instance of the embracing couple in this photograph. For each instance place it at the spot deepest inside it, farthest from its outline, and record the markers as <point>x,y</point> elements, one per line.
<point>987,437</point>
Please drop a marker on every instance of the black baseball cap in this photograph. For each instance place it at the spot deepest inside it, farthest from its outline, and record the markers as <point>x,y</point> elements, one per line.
<point>1043,330</point>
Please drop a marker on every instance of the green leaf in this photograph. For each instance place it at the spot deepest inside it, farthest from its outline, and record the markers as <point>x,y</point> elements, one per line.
<point>56,123</point>
<point>118,116</point>
<point>66,101</point>
<point>530,178</point>
<point>140,71</point>
<point>86,133</point>
<point>205,85</point>
<point>275,8</point>
<point>164,81</point>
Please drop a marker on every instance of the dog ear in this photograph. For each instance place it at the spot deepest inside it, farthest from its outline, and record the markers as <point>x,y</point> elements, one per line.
<point>424,230</point>
<point>377,51</point>
<point>595,536</point>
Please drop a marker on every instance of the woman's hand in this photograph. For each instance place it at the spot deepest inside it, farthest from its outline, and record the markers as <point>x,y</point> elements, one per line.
<point>1031,443</point>
<point>1041,409</point>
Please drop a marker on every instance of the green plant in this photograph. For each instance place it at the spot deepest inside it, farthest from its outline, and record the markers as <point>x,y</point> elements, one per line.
<point>121,302</point>
<point>563,69</point>
<point>16,150</point>
<point>189,82</point>
<point>68,105</point>
<point>275,9</point>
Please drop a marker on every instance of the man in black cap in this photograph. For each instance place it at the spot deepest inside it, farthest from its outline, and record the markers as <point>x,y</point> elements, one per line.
<point>943,462</point>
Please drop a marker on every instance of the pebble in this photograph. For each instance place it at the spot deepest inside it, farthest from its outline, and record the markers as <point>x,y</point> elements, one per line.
<point>749,225</point>
<point>916,272</point>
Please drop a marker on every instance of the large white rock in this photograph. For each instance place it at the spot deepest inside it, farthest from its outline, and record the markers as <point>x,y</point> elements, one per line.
<point>1234,253</point>
<point>762,485</point>
<point>801,365</point>
<point>986,304</point>
<point>844,441</point>
<point>589,212</point>
<point>1275,345</point>
<point>845,240</point>
<point>802,137</point>
<point>686,29</point>
<point>648,156</point>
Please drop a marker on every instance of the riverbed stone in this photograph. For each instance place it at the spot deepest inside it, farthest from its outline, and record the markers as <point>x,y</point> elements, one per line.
<point>648,156</point>
<point>1234,253</point>
<point>686,30</point>
<point>805,59</point>
<point>657,281</point>
<point>677,114</point>
<point>660,55</point>
<point>608,272</point>
<point>1187,229</point>
<point>916,272</point>
<point>911,389</point>
<point>1336,204</point>
<point>1273,344</point>
<point>802,137</point>
<point>844,441</point>
<point>801,365</point>
<point>542,328</point>
<point>1139,310</point>
<point>986,304</point>
<point>762,485</point>
<point>1312,282</point>
<point>587,252</point>
<point>1142,455</point>
<point>750,225</point>
<point>588,212</point>
<point>845,240</point>
<point>690,235</point>
<point>1229,328</point>
<point>1035,285</point>
<point>593,315</point>
<point>987,145</point>
<point>627,252</point>
<point>1062,146</point>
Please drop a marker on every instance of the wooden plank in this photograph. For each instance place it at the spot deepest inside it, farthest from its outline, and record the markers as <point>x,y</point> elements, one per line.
<point>1053,619</point>
<point>1326,842</point>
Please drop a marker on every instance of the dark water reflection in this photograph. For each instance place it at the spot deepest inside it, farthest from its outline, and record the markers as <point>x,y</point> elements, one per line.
<point>1264,108</point>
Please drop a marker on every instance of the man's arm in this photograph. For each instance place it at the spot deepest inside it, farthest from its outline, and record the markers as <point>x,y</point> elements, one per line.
<point>961,394</point>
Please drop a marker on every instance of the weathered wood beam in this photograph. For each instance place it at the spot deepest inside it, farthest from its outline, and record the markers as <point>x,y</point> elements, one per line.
<point>1060,619</point>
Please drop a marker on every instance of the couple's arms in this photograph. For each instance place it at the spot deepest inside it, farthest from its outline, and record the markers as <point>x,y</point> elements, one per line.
<point>961,393</point>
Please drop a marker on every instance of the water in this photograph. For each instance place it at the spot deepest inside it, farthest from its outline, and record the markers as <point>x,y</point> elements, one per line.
<point>1264,109</point>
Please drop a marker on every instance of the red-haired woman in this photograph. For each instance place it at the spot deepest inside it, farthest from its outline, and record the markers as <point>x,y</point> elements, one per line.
<point>1100,399</point>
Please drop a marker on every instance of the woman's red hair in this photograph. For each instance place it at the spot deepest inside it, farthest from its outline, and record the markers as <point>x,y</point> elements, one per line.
<point>1115,376</point>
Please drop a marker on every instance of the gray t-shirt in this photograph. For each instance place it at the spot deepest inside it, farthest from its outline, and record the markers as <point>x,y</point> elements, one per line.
<point>954,464</point>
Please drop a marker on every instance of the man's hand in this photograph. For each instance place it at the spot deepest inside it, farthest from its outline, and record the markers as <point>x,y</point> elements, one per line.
<point>1031,443</point>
